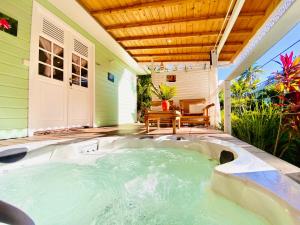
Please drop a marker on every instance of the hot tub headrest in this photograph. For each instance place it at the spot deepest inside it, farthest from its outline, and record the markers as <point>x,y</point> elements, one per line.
<point>13,155</point>
<point>226,156</point>
<point>13,216</point>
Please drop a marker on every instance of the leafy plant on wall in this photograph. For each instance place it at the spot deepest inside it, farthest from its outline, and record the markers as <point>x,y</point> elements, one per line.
<point>4,24</point>
<point>8,25</point>
<point>143,95</point>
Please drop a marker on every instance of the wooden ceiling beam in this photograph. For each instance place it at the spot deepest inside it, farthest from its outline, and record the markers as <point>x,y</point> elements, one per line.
<point>179,35</point>
<point>179,20</point>
<point>140,6</point>
<point>210,45</point>
<point>183,60</point>
<point>180,54</point>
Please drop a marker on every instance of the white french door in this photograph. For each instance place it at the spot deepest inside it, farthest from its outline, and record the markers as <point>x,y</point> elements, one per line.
<point>79,104</point>
<point>61,75</point>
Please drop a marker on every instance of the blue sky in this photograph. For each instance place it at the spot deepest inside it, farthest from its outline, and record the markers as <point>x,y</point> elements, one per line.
<point>291,37</point>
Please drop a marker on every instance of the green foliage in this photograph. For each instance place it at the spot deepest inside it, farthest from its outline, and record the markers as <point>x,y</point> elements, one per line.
<point>258,120</point>
<point>249,76</point>
<point>164,92</point>
<point>257,126</point>
<point>144,83</point>
<point>268,95</point>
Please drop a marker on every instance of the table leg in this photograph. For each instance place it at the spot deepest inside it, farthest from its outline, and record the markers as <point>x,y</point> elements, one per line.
<point>174,125</point>
<point>147,125</point>
<point>206,120</point>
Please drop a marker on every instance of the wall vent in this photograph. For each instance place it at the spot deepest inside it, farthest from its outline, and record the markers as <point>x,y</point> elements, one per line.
<point>53,31</point>
<point>81,48</point>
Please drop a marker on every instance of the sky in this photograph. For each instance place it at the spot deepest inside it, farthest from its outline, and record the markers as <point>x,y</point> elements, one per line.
<point>291,37</point>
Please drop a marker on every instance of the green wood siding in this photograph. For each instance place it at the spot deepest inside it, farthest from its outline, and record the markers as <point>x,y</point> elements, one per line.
<point>14,74</point>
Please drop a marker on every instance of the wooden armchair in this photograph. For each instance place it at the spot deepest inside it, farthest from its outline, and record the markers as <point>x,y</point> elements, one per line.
<point>191,117</point>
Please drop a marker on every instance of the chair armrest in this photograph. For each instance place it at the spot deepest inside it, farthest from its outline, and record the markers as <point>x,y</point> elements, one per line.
<point>205,110</point>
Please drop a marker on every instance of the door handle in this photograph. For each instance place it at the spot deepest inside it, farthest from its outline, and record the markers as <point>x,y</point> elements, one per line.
<point>70,82</point>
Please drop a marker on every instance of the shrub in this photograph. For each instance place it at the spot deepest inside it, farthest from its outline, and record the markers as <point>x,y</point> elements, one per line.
<point>258,126</point>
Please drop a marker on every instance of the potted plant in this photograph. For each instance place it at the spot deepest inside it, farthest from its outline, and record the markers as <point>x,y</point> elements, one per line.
<point>164,93</point>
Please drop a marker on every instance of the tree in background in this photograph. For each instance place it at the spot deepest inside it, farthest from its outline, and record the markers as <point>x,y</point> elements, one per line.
<point>242,88</point>
<point>250,75</point>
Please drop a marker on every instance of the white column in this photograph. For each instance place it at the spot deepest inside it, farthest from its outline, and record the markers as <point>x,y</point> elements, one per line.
<point>227,107</point>
<point>214,112</point>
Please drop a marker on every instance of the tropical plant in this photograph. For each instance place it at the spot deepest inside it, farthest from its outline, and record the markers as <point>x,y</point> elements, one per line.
<point>257,126</point>
<point>288,77</point>
<point>250,75</point>
<point>264,120</point>
<point>288,82</point>
<point>164,92</point>
<point>268,95</point>
<point>243,87</point>
<point>143,95</point>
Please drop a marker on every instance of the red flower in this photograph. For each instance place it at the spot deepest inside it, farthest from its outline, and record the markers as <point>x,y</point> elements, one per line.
<point>289,79</point>
<point>4,23</point>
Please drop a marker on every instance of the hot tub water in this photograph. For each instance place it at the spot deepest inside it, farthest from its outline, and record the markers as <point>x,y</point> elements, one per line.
<point>131,186</point>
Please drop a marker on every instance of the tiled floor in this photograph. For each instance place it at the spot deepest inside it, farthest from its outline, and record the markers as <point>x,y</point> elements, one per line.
<point>137,129</point>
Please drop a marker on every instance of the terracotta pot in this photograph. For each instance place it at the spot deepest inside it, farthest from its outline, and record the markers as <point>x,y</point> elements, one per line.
<point>165,105</point>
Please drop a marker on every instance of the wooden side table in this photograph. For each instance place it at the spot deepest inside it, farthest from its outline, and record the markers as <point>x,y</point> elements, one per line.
<point>173,116</point>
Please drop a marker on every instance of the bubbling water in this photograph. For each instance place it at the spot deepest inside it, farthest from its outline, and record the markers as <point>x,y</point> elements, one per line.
<point>128,187</point>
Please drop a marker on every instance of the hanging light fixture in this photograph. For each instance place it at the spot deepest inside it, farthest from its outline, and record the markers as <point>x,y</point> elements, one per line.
<point>162,67</point>
<point>185,68</point>
<point>175,68</point>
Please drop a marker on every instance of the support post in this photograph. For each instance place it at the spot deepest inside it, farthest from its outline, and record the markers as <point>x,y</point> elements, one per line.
<point>227,107</point>
<point>214,112</point>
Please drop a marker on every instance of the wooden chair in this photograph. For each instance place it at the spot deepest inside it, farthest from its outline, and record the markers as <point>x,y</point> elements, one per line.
<point>192,118</point>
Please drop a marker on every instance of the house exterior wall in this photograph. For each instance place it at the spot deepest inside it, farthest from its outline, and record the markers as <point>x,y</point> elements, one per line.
<point>194,85</point>
<point>14,73</point>
<point>189,85</point>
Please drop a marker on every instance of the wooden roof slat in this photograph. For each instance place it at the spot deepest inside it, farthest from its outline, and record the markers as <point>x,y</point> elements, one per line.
<point>180,54</point>
<point>176,27</point>
<point>182,60</point>
<point>139,6</point>
<point>179,20</point>
<point>180,35</point>
<point>180,46</point>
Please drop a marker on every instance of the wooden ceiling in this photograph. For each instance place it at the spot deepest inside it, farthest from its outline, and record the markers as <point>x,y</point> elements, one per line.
<point>177,30</point>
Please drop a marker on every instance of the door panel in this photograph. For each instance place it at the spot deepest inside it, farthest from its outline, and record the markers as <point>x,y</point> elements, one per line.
<point>78,108</point>
<point>80,104</point>
<point>52,102</point>
<point>55,102</point>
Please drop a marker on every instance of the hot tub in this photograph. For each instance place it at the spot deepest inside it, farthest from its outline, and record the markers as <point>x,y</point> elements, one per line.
<point>122,180</point>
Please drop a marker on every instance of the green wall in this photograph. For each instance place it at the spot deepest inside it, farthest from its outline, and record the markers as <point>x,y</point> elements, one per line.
<point>14,74</point>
